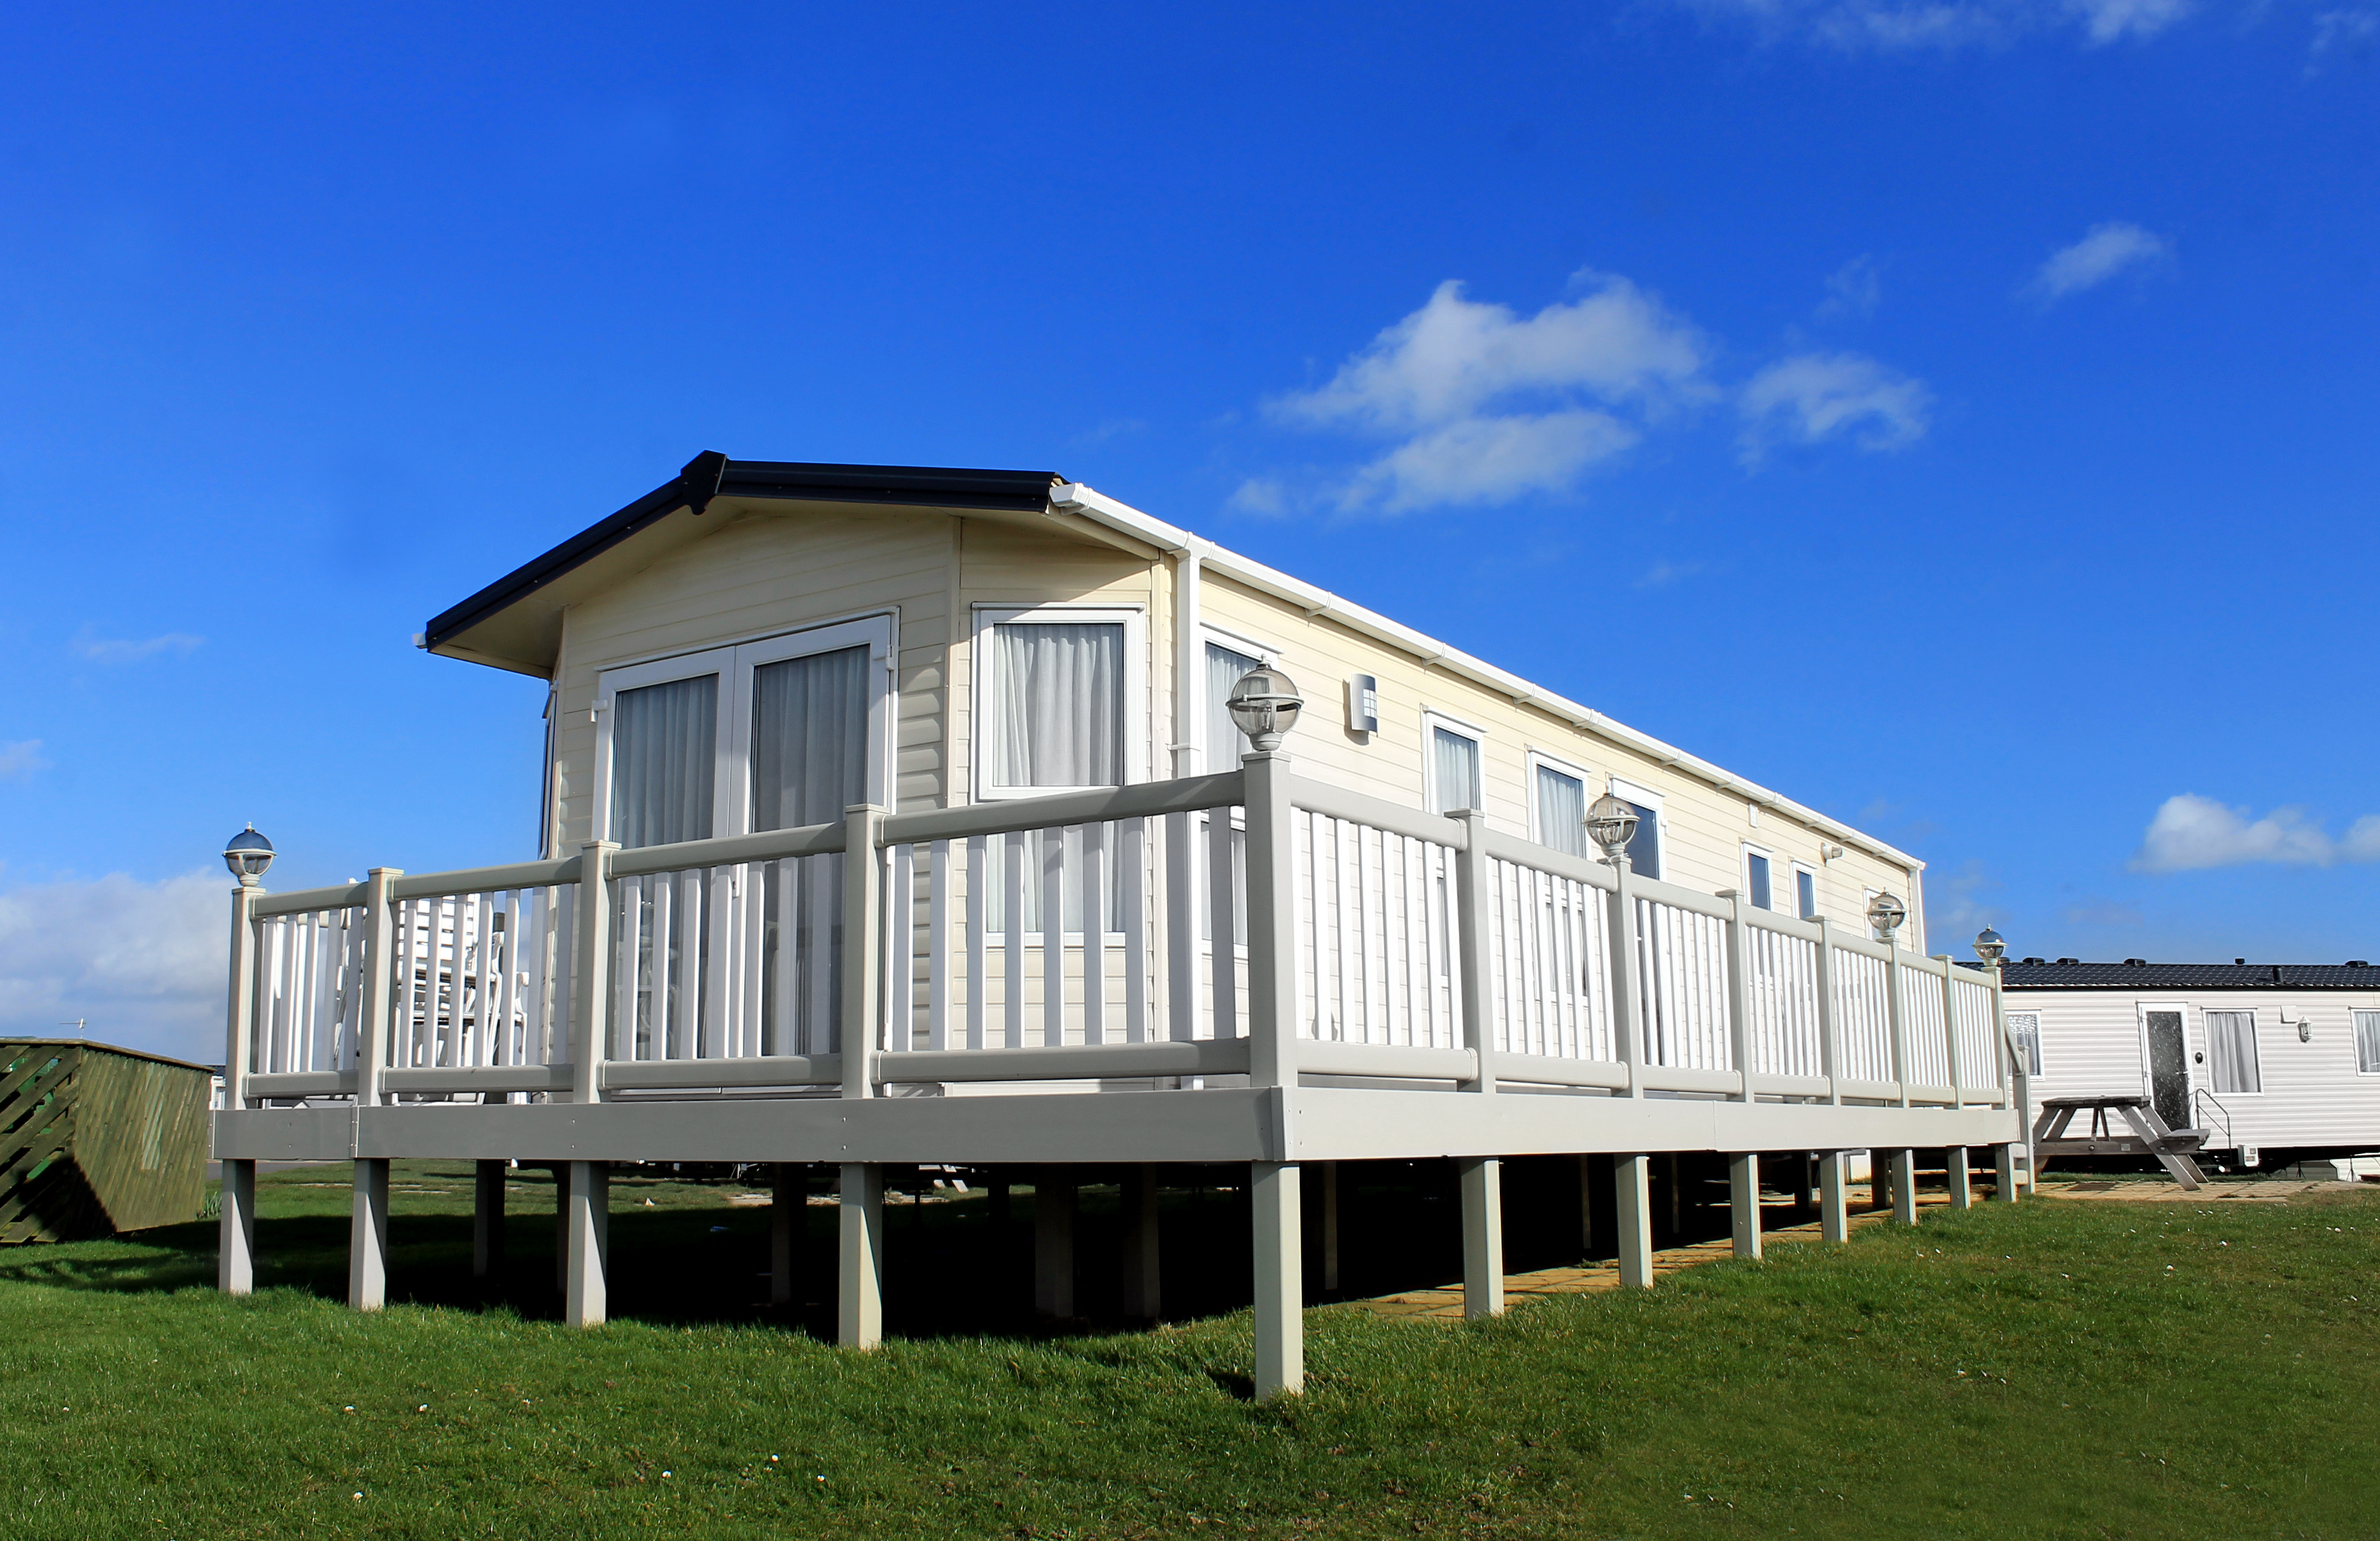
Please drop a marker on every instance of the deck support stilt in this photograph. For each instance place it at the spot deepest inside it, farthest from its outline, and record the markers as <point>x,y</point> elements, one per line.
<point>1585,1208</point>
<point>1962,1190</point>
<point>487,1220</point>
<point>368,1237</point>
<point>788,1205</point>
<point>1279,1234</point>
<point>1834,1213</point>
<point>236,1253</point>
<point>561,1227</point>
<point>2004,1174</point>
<point>1329,1228</point>
<point>586,1296</point>
<point>1904,1186</point>
<point>1633,1176</point>
<point>1744,1201</point>
<point>1053,1243</point>
<point>859,1292</point>
<point>1142,1297</point>
<point>1482,1181</point>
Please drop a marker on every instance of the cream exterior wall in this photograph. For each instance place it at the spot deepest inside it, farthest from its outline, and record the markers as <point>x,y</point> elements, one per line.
<point>771,569</point>
<point>2091,1043</point>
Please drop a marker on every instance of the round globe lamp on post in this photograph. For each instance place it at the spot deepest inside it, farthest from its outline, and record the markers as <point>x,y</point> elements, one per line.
<point>1611,824</point>
<point>1885,912</point>
<point>1990,948</point>
<point>248,854</point>
<point>1264,705</point>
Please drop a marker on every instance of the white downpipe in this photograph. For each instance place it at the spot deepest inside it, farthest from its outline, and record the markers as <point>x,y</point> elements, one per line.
<point>1189,659</point>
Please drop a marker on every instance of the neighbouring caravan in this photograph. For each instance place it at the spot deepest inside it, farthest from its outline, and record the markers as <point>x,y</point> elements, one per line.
<point>897,816</point>
<point>2273,1061</point>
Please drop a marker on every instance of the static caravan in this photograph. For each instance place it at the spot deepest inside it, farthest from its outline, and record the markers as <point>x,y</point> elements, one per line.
<point>896,815</point>
<point>2273,1061</point>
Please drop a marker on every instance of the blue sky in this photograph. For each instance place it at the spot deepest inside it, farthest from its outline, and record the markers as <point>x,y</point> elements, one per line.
<point>1960,416</point>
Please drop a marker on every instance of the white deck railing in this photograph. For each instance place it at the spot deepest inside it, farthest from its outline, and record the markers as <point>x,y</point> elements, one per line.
<point>1107,937</point>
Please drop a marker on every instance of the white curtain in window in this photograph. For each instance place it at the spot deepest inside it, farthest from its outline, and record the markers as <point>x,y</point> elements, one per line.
<point>1057,717</point>
<point>1561,812</point>
<point>2231,1050</point>
<point>664,752</point>
<point>2025,1028</point>
<point>810,739</point>
<point>1225,742</point>
<point>1458,770</point>
<point>2367,1043</point>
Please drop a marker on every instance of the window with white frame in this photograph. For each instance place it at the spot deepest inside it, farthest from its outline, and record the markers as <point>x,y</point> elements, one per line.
<point>1454,758</point>
<point>1227,662</point>
<point>1759,877</point>
<point>1644,847</point>
<point>1561,797</point>
<point>2367,1043</point>
<point>1806,892</point>
<point>1055,698</point>
<point>2231,1052</point>
<point>2025,1028</point>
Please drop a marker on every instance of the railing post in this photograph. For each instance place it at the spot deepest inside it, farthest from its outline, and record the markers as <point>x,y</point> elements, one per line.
<point>1892,1005</point>
<point>1627,997</point>
<point>380,991</point>
<point>863,942</point>
<point>1739,991</point>
<point>1471,881</point>
<point>239,1016</point>
<point>1950,1030</point>
<point>1272,921</point>
<point>1830,1027</point>
<point>590,969</point>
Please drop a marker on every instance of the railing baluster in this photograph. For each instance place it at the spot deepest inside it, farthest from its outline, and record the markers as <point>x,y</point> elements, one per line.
<point>979,941</point>
<point>899,951</point>
<point>1133,867</point>
<point>1012,962</point>
<point>1053,937</point>
<point>938,945</point>
<point>1222,948</point>
<point>662,987</point>
<point>1182,925</point>
<point>1093,874</point>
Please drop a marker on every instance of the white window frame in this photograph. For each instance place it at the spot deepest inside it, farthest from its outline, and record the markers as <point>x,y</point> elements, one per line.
<point>2206,1045</point>
<point>1649,801</point>
<point>1431,721</point>
<point>1799,868</point>
<point>1751,850</point>
<point>1265,653</point>
<point>2355,1031</point>
<point>1135,620</point>
<point>731,797</point>
<point>1541,759</point>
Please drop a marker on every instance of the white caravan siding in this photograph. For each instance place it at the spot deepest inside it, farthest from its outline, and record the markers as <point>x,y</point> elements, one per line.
<point>2312,1096</point>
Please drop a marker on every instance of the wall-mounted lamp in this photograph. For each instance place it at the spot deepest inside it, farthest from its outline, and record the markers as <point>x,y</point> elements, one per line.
<point>1830,852</point>
<point>1363,704</point>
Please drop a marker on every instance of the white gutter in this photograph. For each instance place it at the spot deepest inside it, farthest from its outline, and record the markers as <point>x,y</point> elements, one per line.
<point>1073,497</point>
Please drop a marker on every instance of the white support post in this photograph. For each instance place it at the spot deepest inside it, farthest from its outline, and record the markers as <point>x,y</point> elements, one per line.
<point>1586,1206</point>
<point>590,968</point>
<point>235,1254</point>
<point>1142,1296</point>
<point>1899,1018</point>
<point>1055,1202</point>
<point>1739,1004</point>
<point>1329,1228</point>
<point>1904,1186</point>
<point>585,1294</point>
<point>1627,998</point>
<point>239,1014</point>
<point>1477,1006</point>
<point>863,971</point>
<point>487,1220</point>
<point>1830,1027</point>
<point>1272,922</point>
<point>1483,1237</point>
<point>860,1284</point>
<point>1280,1274</point>
<point>368,1237</point>
<point>1634,1174</point>
<point>2004,1174</point>
<point>383,989</point>
<point>1963,1193</point>
<point>1834,1214</point>
<point>1744,1202</point>
<point>788,1206</point>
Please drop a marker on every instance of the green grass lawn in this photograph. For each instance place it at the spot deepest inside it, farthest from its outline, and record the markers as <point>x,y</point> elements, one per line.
<point>2054,1369</point>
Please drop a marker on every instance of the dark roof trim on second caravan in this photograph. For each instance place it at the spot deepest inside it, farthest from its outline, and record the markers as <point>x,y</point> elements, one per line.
<point>2136,974</point>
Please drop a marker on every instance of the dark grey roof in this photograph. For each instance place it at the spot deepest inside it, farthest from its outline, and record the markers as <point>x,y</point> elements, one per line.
<point>710,475</point>
<point>2066,974</point>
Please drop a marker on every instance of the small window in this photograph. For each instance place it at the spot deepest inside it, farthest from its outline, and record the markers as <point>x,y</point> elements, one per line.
<point>1057,701</point>
<point>2025,1028</point>
<point>1225,742</point>
<point>1561,811</point>
<point>1454,769</point>
<point>1645,846</point>
<point>2231,1052</point>
<point>2367,1043</point>
<point>1755,871</point>
<point>1805,890</point>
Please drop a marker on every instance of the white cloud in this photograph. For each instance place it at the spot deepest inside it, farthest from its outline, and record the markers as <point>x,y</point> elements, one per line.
<point>1489,404</point>
<point>2190,832</point>
<point>1898,26</point>
<point>2107,250</point>
<point>103,650</point>
<point>1854,289</point>
<point>1663,573</point>
<point>2354,31</point>
<point>141,962</point>
<point>1815,396</point>
<point>19,760</point>
<point>1260,494</point>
